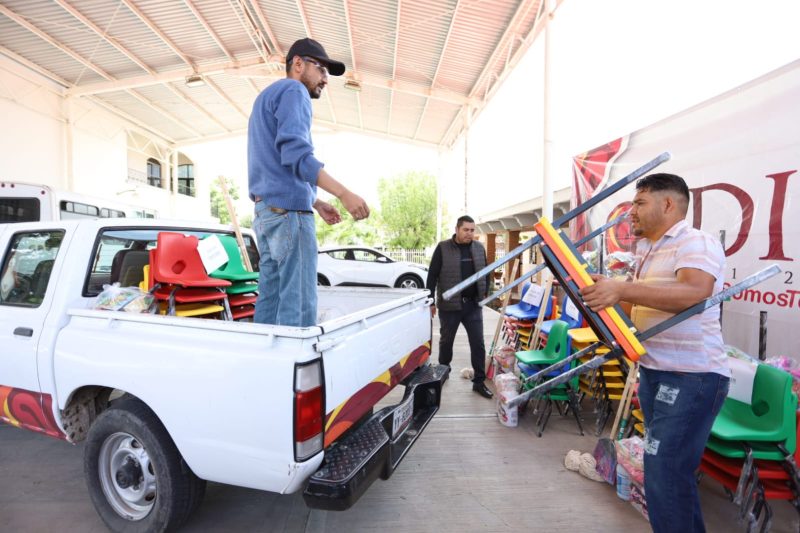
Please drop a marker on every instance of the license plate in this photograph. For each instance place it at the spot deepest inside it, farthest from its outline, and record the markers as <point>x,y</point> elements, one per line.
<point>402,415</point>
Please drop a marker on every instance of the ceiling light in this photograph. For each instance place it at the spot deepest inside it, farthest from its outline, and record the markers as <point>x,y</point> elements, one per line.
<point>352,84</point>
<point>195,80</point>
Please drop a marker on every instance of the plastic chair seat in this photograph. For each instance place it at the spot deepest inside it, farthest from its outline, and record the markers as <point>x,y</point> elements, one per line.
<point>239,300</point>
<point>770,418</point>
<point>734,449</point>
<point>188,295</point>
<point>556,349</point>
<point>242,288</point>
<point>234,269</point>
<point>243,311</point>
<point>197,309</point>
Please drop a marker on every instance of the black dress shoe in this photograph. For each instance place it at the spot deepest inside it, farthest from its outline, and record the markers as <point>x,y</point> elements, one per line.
<point>481,389</point>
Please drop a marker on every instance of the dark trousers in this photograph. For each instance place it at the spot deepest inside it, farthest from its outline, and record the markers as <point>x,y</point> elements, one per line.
<point>472,317</point>
<point>679,410</point>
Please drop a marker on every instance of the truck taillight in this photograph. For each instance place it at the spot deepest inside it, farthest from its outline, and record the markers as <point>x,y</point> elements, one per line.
<point>309,410</point>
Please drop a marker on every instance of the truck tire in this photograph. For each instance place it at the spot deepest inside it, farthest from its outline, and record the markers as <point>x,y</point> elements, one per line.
<point>136,477</point>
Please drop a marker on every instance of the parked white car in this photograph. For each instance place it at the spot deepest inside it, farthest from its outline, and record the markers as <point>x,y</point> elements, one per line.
<point>358,265</point>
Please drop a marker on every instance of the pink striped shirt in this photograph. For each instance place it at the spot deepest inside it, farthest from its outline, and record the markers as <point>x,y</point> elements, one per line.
<point>694,345</point>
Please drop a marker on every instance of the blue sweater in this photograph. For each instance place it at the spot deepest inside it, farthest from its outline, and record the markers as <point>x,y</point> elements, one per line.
<point>281,166</point>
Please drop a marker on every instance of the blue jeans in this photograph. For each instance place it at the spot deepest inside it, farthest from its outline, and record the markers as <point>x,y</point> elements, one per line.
<point>287,284</point>
<point>471,316</point>
<point>679,409</point>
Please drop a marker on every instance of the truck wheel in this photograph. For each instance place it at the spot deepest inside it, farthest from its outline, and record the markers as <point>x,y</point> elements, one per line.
<point>136,477</point>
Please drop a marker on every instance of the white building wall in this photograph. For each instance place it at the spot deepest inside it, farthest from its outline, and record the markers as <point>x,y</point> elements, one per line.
<point>74,145</point>
<point>32,118</point>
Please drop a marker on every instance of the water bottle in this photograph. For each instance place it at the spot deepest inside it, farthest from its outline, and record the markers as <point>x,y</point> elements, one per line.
<point>623,483</point>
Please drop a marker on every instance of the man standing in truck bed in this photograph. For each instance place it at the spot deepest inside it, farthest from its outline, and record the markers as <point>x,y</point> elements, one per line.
<point>283,177</point>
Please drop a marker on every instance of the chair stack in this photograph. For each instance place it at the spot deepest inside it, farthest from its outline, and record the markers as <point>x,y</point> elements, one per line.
<point>243,290</point>
<point>532,361</point>
<point>604,384</point>
<point>178,280</point>
<point>752,449</point>
<point>519,321</point>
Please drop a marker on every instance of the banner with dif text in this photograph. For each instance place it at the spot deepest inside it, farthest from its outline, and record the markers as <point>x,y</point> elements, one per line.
<point>740,155</point>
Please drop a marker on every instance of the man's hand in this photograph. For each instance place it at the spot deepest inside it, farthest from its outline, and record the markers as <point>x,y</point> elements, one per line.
<point>433,310</point>
<point>604,293</point>
<point>328,213</point>
<point>355,205</point>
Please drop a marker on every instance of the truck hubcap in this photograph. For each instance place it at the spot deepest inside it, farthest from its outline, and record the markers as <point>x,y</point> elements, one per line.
<point>127,476</point>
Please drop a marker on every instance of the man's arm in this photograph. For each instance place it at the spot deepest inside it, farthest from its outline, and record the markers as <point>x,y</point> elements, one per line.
<point>354,204</point>
<point>433,272</point>
<point>692,286</point>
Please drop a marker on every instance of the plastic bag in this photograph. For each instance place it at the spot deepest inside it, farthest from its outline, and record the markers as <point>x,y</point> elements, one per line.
<point>630,455</point>
<point>506,383</point>
<point>508,416</point>
<point>505,356</point>
<point>116,298</point>
<point>605,455</point>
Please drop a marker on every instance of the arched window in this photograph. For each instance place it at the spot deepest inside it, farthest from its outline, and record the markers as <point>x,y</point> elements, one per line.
<point>153,172</point>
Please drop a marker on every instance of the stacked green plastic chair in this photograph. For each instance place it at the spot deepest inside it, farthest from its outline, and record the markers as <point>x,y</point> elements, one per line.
<point>243,292</point>
<point>531,361</point>
<point>765,429</point>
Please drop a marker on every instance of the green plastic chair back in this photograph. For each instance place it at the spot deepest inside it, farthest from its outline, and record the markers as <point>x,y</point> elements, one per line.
<point>556,349</point>
<point>735,449</point>
<point>234,269</point>
<point>770,418</point>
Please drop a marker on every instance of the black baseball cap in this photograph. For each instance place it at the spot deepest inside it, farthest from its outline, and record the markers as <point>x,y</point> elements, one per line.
<point>311,48</point>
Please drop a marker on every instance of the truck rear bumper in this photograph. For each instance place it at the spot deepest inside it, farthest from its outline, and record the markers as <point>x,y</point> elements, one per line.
<point>376,448</point>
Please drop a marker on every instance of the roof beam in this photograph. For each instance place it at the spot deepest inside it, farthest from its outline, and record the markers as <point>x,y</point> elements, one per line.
<point>203,22</point>
<point>92,26</point>
<point>130,55</point>
<point>438,66</point>
<point>77,57</point>
<point>52,42</point>
<point>353,57</point>
<point>276,47</point>
<point>165,77</point>
<point>394,64</point>
<point>188,101</point>
<point>155,29</point>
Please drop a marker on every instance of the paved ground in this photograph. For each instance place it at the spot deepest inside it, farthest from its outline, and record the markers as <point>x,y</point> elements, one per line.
<point>466,473</point>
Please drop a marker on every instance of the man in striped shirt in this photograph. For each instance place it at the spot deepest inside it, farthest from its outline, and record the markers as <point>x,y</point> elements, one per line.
<point>684,376</point>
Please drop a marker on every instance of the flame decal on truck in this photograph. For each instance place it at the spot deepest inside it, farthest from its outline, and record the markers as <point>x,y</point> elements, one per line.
<point>29,410</point>
<point>345,415</point>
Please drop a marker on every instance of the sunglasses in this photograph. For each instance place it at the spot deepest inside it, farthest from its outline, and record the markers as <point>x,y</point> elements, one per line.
<point>322,68</point>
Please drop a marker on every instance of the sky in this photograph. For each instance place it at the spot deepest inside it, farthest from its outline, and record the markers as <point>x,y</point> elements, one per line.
<point>616,66</point>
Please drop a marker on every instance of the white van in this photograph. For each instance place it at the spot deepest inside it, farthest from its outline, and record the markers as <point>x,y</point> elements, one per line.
<point>25,202</point>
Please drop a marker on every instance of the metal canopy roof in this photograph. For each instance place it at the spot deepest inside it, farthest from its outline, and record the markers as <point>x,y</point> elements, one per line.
<point>424,67</point>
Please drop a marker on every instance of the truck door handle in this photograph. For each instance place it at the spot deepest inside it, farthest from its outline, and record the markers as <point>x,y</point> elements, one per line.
<point>23,332</point>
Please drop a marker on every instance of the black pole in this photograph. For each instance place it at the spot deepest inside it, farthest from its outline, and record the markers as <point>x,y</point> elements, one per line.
<point>762,336</point>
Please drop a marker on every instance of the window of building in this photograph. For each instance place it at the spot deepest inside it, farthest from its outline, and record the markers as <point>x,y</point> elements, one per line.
<point>153,172</point>
<point>186,179</point>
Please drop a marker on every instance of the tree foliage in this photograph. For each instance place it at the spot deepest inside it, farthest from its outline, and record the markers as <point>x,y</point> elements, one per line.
<point>349,231</point>
<point>219,208</point>
<point>408,209</point>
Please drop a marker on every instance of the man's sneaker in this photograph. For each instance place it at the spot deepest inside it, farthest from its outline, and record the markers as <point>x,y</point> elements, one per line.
<point>481,389</point>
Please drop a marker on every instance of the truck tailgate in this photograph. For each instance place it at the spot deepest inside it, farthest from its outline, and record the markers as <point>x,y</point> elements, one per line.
<point>384,344</point>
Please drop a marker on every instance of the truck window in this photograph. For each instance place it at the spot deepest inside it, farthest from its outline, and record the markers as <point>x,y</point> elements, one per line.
<point>27,266</point>
<point>19,210</point>
<point>121,254</point>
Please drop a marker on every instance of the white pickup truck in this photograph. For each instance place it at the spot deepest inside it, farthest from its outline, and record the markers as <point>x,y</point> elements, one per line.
<point>165,403</point>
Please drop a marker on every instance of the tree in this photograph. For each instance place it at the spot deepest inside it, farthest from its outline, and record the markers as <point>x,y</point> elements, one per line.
<point>219,208</point>
<point>408,209</point>
<point>348,231</point>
